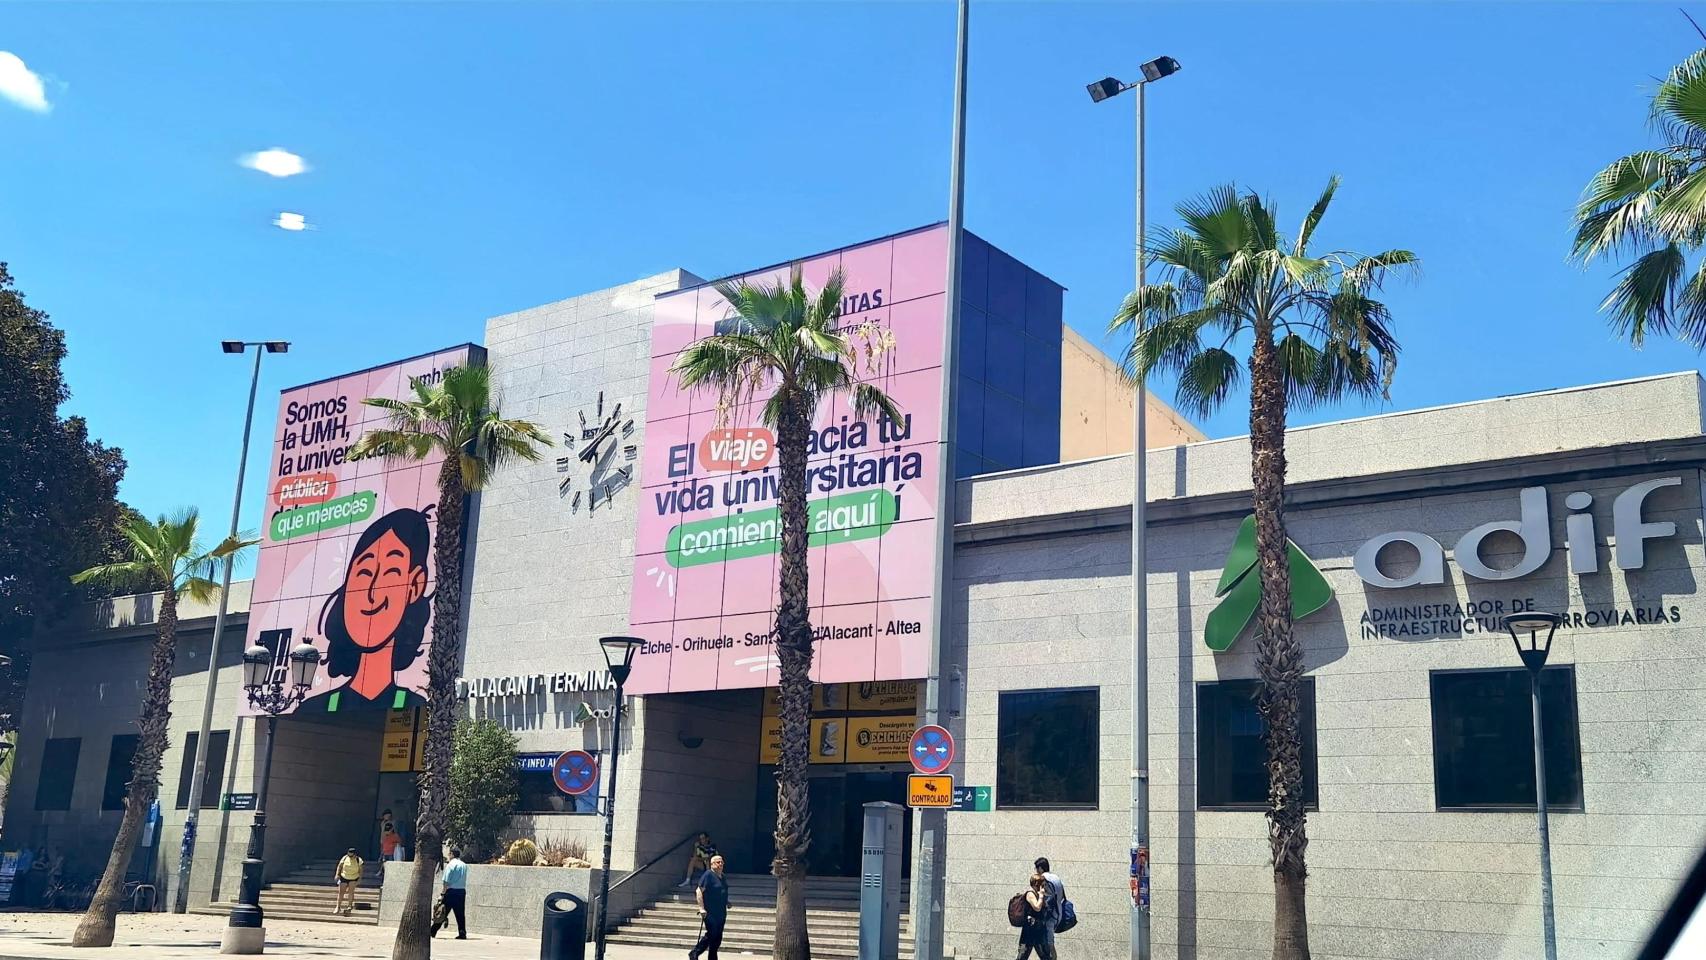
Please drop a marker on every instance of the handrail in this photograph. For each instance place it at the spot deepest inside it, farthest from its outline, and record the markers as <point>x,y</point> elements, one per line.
<point>653,861</point>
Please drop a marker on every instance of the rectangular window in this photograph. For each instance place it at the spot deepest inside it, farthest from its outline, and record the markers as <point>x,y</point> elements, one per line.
<point>118,770</point>
<point>1484,739</point>
<point>1232,762</point>
<point>58,773</point>
<point>218,744</point>
<point>1048,752</point>
<point>537,792</point>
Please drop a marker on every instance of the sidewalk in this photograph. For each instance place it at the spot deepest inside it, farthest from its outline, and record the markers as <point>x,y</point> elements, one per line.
<point>166,936</point>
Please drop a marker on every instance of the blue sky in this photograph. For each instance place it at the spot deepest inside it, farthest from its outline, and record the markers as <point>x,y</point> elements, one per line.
<point>469,160</point>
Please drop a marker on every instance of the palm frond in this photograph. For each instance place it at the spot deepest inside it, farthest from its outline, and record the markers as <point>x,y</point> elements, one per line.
<point>199,589</point>
<point>124,573</point>
<point>1639,303</point>
<point>869,400</point>
<point>1307,232</point>
<point>1206,381</point>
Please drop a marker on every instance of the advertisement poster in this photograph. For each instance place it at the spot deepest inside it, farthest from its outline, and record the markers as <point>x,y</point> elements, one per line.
<point>345,559</point>
<point>708,534</point>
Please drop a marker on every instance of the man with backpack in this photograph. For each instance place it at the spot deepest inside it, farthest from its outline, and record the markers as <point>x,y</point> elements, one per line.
<point>1059,914</point>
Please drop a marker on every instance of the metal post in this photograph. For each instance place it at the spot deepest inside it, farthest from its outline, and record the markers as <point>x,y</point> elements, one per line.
<point>1140,608</point>
<point>247,912</point>
<point>1549,928</point>
<point>609,824</point>
<point>929,873</point>
<point>181,902</point>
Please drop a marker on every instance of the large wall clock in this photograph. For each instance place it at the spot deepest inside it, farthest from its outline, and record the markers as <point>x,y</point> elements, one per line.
<point>591,471</point>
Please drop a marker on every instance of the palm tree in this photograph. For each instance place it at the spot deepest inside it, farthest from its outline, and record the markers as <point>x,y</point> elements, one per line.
<point>789,339</point>
<point>1652,205</point>
<point>1315,335</point>
<point>164,555</point>
<point>456,417</point>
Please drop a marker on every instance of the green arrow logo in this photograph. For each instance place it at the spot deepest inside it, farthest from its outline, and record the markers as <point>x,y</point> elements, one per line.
<point>1240,589</point>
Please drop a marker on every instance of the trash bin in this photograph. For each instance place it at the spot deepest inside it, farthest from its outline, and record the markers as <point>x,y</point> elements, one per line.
<point>562,933</point>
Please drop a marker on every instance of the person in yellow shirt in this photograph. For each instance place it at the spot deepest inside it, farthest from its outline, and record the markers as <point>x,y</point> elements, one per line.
<point>348,875</point>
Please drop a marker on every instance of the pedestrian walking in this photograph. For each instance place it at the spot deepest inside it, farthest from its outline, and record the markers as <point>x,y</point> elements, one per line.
<point>348,875</point>
<point>1035,934</point>
<point>390,842</point>
<point>713,896</point>
<point>455,894</point>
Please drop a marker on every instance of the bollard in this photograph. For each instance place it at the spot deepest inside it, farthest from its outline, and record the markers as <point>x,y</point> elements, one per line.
<point>562,933</point>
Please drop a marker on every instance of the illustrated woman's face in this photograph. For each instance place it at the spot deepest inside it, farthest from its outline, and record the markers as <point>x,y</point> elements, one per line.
<point>380,585</point>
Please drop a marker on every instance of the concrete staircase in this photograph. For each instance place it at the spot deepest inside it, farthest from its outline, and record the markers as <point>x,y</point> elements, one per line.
<point>832,917</point>
<point>308,893</point>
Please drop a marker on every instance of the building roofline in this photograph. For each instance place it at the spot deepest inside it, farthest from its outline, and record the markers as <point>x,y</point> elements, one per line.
<point>388,363</point>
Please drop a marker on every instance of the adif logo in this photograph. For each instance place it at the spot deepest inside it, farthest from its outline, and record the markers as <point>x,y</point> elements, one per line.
<point>1534,527</point>
<point>1240,588</point>
<point>746,448</point>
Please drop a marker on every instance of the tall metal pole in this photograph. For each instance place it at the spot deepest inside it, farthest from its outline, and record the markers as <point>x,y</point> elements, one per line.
<point>247,912</point>
<point>186,853</point>
<point>609,823</point>
<point>929,873</point>
<point>1548,922</point>
<point>1140,609</point>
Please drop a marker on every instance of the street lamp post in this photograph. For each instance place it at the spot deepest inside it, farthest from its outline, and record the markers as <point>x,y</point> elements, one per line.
<point>186,853</point>
<point>272,695</point>
<point>1534,658</point>
<point>1103,89</point>
<point>619,658</point>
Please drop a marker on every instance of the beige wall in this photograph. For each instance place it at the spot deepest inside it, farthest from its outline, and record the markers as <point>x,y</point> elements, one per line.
<point>1095,406</point>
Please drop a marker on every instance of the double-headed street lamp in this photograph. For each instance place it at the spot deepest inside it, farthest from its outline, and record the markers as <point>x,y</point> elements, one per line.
<point>186,853</point>
<point>271,692</point>
<point>1102,89</point>
<point>619,658</point>
<point>1533,656</point>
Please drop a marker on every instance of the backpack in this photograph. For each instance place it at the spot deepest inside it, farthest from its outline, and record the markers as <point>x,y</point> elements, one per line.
<point>1068,917</point>
<point>1016,910</point>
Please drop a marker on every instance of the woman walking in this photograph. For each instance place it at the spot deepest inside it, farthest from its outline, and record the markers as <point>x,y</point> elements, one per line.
<point>1035,934</point>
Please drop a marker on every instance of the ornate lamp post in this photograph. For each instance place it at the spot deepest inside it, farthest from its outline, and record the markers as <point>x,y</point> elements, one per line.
<point>619,658</point>
<point>1533,657</point>
<point>272,695</point>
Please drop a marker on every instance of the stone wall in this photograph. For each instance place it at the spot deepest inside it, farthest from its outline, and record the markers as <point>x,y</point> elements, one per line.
<point>502,901</point>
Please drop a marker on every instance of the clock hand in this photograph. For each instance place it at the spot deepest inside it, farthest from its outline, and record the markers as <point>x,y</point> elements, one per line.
<point>591,452</point>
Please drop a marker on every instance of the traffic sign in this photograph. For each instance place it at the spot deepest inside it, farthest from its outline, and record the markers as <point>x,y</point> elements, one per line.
<point>575,772</point>
<point>931,749</point>
<point>972,799</point>
<point>924,790</point>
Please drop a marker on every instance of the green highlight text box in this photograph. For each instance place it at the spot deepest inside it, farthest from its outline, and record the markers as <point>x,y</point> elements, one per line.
<point>839,519</point>
<point>338,512</point>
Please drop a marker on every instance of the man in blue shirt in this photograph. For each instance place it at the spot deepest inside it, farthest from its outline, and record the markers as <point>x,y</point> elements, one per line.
<point>712,893</point>
<point>455,893</point>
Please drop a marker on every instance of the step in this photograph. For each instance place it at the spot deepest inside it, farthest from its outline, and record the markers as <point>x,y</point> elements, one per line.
<point>754,947</point>
<point>739,914</point>
<point>360,917</point>
<point>314,889</point>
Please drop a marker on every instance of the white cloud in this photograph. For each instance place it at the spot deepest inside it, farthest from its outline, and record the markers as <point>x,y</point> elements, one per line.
<point>21,85</point>
<point>291,221</point>
<point>276,162</point>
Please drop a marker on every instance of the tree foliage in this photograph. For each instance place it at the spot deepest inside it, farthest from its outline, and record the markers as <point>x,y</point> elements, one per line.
<point>59,511</point>
<point>483,787</point>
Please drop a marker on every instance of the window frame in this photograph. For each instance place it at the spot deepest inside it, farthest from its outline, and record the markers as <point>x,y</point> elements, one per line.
<point>125,774</point>
<point>1095,803</point>
<point>1309,720</point>
<point>186,770</point>
<point>1552,806</point>
<point>596,793</point>
<point>75,763</point>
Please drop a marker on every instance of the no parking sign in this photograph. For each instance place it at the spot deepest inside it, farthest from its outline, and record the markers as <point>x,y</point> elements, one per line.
<point>575,772</point>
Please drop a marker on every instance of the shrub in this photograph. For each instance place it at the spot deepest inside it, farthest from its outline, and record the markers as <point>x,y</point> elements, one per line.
<point>483,790</point>
<point>563,853</point>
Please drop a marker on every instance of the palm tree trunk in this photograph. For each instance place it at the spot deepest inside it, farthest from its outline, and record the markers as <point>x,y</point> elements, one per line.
<point>794,650</point>
<point>1279,657</point>
<point>96,927</point>
<point>414,941</point>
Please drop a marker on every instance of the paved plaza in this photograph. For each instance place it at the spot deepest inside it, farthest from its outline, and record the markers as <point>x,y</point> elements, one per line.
<point>165,936</point>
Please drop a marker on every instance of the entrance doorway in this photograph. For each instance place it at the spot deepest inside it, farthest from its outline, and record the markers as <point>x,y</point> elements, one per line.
<point>837,800</point>
<point>398,793</point>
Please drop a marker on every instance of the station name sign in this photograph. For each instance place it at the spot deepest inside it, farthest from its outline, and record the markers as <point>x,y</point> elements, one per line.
<point>1630,534</point>
<point>530,684</point>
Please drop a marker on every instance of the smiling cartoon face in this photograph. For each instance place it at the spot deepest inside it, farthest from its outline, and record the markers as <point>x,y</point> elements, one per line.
<point>380,585</point>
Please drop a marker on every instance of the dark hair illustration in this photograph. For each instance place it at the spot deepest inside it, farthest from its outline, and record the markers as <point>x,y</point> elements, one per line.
<point>343,654</point>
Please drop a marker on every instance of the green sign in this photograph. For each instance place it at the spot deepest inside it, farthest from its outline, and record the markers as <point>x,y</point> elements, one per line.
<point>1240,589</point>
<point>973,799</point>
<point>838,519</point>
<point>337,512</point>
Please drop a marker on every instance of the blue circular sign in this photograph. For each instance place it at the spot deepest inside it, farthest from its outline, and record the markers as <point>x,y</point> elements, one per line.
<point>931,749</point>
<point>575,772</point>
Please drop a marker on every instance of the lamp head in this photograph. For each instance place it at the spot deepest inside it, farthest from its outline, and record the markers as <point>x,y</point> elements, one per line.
<point>257,664</point>
<point>277,346</point>
<point>1532,622</point>
<point>231,346</point>
<point>1104,88</point>
<point>1158,68</point>
<point>619,655</point>
<point>304,663</point>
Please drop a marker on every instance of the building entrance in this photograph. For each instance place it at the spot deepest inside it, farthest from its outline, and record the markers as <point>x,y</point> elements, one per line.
<point>837,800</point>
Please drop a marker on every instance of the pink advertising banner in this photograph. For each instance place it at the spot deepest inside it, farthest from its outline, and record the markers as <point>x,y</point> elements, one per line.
<point>346,560</point>
<point>708,534</point>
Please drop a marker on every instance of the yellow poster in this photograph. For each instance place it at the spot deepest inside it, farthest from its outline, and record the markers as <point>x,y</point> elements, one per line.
<point>770,741</point>
<point>826,698</point>
<point>888,696</point>
<point>878,739</point>
<point>829,741</point>
<point>399,748</point>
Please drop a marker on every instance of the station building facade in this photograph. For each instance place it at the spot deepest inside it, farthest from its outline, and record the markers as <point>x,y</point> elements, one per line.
<point>1426,525</point>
